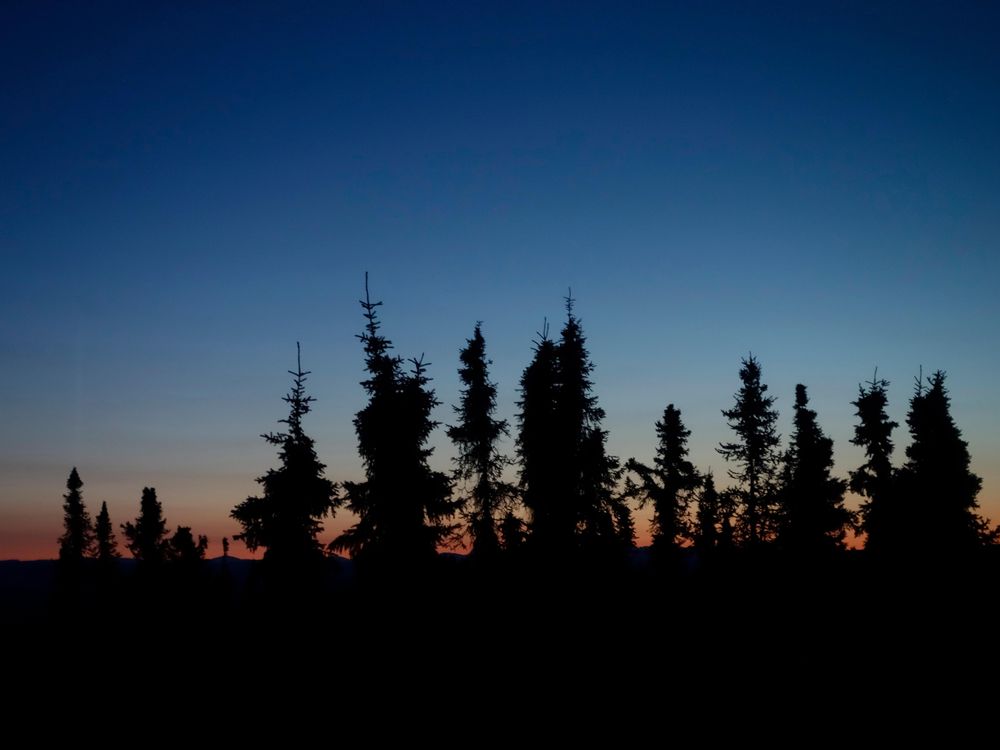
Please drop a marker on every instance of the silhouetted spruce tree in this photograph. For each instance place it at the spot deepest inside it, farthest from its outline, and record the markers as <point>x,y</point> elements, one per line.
<point>813,516</point>
<point>182,548</point>
<point>669,484</point>
<point>708,517</point>
<point>480,463</point>
<point>551,524</point>
<point>576,410</point>
<point>936,483</point>
<point>404,508</point>
<point>286,518</point>
<point>755,453</point>
<point>105,543</point>
<point>145,537</point>
<point>875,480</point>
<point>568,479</point>
<point>77,540</point>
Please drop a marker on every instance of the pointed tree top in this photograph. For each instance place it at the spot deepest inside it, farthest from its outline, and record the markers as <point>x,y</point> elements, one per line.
<point>370,314</point>
<point>298,372</point>
<point>875,383</point>
<point>543,335</point>
<point>920,381</point>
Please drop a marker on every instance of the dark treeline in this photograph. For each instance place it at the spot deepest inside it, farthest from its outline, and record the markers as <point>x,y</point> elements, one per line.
<point>570,504</point>
<point>146,538</point>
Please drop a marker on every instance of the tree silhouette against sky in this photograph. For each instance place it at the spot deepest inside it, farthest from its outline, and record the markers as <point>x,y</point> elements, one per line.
<point>755,454</point>
<point>105,543</point>
<point>668,484</point>
<point>77,540</point>
<point>936,484</point>
<point>550,523</point>
<point>874,480</point>
<point>813,517</point>
<point>286,519</point>
<point>480,464</point>
<point>404,508</point>
<point>569,481</point>
<point>145,538</point>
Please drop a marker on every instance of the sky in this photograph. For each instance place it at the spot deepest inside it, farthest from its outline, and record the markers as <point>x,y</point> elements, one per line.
<point>188,189</point>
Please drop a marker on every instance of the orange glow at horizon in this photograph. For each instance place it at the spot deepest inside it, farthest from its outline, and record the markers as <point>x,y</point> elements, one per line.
<point>36,538</point>
<point>31,513</point>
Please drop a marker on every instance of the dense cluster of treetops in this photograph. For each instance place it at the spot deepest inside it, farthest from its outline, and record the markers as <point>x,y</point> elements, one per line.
<point>572,499</point>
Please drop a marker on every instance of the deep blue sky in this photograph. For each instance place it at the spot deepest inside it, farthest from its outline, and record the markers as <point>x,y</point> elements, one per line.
<point>187,191</point>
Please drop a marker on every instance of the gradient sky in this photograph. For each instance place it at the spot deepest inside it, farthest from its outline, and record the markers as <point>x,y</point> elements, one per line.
<point>186,190</point>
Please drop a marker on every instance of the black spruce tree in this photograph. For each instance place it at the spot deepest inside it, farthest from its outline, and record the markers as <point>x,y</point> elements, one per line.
<point>404,508</point>
<point>77,540</point>
<point>936,483</point>
<point>286,519</point>
<point>755,453</point>
<point>479,462</point>
<point>551,525</point>
<point>669,484</point>
<point>105,543</point>
<point>146,537</point>
<point>568,480</point>
<point>183,549</point>
<point>813,517</point>
<point>875,479</point>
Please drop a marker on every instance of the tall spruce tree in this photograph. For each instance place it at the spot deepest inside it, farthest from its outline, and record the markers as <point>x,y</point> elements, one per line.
<point>404,508</point>
<point>589,476</point>
<point>550,523</point>
<point>875,480</point>
<point>77,540</point>
<point>936,483</point>
<point>480,464</point>
<point>568,479</point>
<point>755,453</point>
<point>146,537</point>
<point>105,543</point>
<point>669,484</point>
<point>813,517</point>
<point>286,519</point>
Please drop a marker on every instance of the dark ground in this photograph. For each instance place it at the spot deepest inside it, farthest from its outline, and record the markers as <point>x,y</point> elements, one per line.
<point>755,640</point>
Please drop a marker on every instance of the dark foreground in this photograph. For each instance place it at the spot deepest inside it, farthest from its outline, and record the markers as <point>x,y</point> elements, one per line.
<point>520,644</point>
<point>770,598</point>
